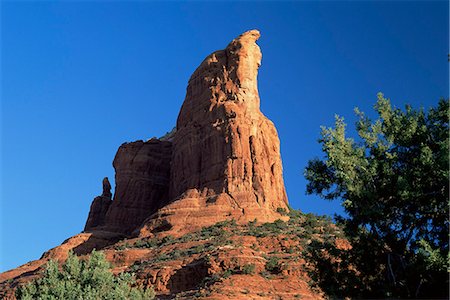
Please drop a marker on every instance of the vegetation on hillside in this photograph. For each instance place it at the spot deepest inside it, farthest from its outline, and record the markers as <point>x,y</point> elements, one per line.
<point>272,260</point>
<point>301,226</point>
<point>393,182</point>
<point>79,279</point>
<point>279,248</point>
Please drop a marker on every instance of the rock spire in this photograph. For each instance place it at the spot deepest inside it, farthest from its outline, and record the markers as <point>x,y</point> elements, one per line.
<point>222,161</point>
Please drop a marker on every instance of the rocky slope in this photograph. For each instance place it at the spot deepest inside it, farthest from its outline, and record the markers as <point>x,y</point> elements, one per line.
<point>223,261</point>
<point>192,212</point>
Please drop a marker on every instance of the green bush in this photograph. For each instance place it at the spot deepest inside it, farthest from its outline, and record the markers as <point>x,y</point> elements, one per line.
<point>266,229</point>
<point>272,265</point>
<point>147,243</point>
<point>282,211</point>
<point>227,273</point>
<point>85,280</point>
<point>248,269</point>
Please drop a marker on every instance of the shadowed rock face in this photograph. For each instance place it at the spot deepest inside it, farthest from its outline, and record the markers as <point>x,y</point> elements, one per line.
<point>99,207</point>
<point>142,186</point>
<point>222,162</point>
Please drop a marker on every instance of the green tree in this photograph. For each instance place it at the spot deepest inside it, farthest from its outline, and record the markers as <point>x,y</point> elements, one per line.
<point>393,182</point>
<point>85,280</point>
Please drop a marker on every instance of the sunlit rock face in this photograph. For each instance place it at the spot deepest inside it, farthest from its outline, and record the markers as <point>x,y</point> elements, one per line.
<point>222,161</point>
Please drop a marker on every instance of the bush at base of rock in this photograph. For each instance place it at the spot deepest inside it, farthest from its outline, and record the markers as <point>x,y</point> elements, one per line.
<point>80,279</point>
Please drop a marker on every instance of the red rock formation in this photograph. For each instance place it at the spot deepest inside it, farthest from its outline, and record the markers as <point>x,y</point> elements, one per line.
<point>223,161</point>
<point>142,186</point>
<point>99,207</point>
<point>226,154</point>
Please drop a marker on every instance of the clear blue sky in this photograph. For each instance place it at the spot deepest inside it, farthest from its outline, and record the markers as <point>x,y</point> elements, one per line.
<point>81,78</point>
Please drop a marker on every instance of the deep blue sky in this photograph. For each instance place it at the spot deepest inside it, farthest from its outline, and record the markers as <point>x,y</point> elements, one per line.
<point>81,78</point>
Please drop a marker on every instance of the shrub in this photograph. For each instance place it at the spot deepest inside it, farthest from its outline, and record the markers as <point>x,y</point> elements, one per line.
<point>272,265</point>
<point>167,240</point>
<point>78,279</point>
<point>122,246</point>
<point>146,243</point>
<point>282,211</point>
<point>248,269</point>
<point>209,280</point>
<point>227,273</point>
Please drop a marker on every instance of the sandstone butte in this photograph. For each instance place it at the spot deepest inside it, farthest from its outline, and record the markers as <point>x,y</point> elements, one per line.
<point>220,163</point>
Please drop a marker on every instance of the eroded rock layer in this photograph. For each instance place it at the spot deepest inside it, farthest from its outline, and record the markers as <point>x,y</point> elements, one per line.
<point>142,186</point>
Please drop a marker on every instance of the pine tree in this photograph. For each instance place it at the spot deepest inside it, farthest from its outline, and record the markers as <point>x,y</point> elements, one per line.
<point>393,182</point>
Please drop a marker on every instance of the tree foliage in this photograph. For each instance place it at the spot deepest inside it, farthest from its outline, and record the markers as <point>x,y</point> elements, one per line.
<point>393,182</point>
<point>85,280</point>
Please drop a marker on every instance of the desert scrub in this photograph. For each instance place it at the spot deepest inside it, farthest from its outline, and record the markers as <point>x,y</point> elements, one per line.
<point>147,243</point>
<point>282,211</point>
<point>153,242</point>
<point>248,269</point>
<point>123,246</point>
<point>273,265</point>
<point>266,229</point>
<point>79,279</point>
<point>209,280</point>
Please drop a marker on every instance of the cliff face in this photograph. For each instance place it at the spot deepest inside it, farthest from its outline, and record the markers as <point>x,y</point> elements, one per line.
<point>224,144</point>
<point>142,186</point>
<point>222,162</point>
